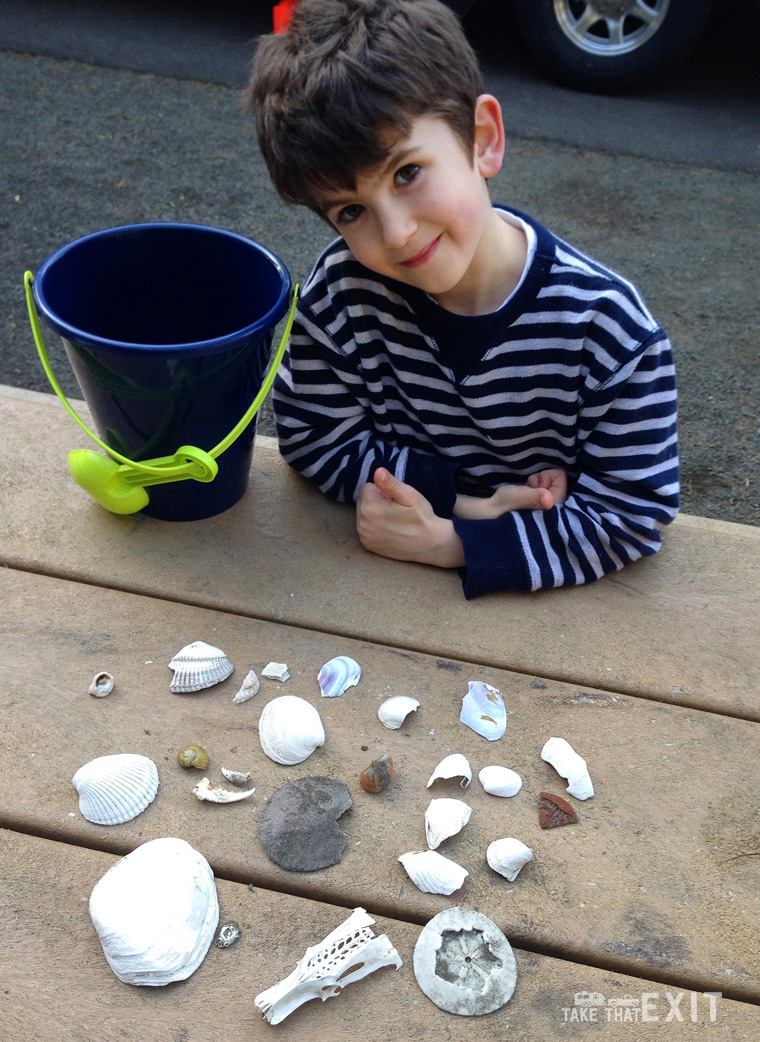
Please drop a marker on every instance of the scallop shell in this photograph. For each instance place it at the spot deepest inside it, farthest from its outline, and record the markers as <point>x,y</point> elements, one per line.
<point>337,675</point>
<point>507,857</point>
<point>197,666</point>
<point>204,790</point>
<point>500,781</point>
<point>444,818</point>
<point>250,686</point>
<point>114,789</point>
<point>483,710</point>
<point>156,912</point>
<point>454,766</point>
<point>432,873</point>
<point>102,685</point>
<point>395,710</point>
<point>290,729</point>
<point>568,764</point>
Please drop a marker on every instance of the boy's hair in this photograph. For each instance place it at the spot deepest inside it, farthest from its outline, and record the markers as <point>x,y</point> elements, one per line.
<point>334,93</point>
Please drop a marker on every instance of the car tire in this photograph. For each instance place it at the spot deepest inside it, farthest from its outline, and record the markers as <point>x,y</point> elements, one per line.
<point>604,45</point>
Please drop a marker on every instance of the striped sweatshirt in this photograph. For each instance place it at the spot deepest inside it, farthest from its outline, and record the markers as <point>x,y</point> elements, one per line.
<point>571,372</point>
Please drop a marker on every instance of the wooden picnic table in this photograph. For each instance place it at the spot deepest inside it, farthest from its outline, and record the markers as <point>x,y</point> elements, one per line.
<point>651,675</point>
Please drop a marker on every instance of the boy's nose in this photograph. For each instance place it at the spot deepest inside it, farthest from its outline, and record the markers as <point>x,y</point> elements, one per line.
<point>397,226</point>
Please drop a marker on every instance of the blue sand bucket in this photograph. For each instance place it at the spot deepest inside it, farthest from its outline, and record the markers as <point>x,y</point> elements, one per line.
<point>168,328</point>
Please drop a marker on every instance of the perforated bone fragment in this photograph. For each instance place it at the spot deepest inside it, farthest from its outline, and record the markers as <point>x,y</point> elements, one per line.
<point>326,968</point>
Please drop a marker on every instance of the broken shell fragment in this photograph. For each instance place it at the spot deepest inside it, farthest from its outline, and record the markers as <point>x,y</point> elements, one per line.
<point>228,934</point>
<point>500,781</point>
<point>568,764</point>
<point>236,777</point>
<point>377,776</point>
<point>114,789</point>
<point>453,766</point>
<point>204,790</point>
<point>395,710</point>
<point>432,873</point>
<point>346,955</point>
<point>249,687</point>
<point>507,857</point>
<point>193,756</point>
<point>299,825</point>
<point>553,812</point>
<point>483,710</point>
<point>290,729</point>
<point>198,666</point>
<point>338,675</point>
<point>444,818</point>
<point>102,685</point>
<point>276,671</point>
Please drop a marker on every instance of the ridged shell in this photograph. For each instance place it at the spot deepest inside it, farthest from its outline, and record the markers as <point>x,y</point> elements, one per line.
<point>507,857</point>
<point>432,873</point>
<point>114,789</point>
<point>338,675</point>
<point>500,781</point>
<point>483,710</point>
<point>568,764</point>
<point>444,818</point>
<point>156,912</point>
<point>198,666</point>
<point>290,729</point>
<point>395,710</point>
<point>453,766</point>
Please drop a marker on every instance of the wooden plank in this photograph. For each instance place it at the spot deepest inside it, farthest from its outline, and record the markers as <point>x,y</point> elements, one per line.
<point>659,877</point>
<point>57,984</point>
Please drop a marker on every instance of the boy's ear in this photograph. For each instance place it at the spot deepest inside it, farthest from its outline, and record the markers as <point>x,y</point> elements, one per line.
<point>489,135</point>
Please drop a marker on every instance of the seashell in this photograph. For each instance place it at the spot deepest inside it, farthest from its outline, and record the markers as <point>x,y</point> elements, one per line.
<point>347,954</point>
<point>102,685</point>
<point>394,711</point>
<point>236,777</point>
<point>228,934</point>
<point>204,790</point>
<point>250,686</point>
<point>507,857</point>
<point>454,766</point>
<point>197,666</point>
<point>290,729</point>
<point>553,811</point>
<point>568,764</point>
<point>156,912</point>
<point>432,873</point>
<point>114,789</point>
<point>483,710</point>
<point>193,756</point>
<point>276,671</point>
<point>338,675</point>
<point>445,818</point>
<point>377,776</point>
<point>500,781</point>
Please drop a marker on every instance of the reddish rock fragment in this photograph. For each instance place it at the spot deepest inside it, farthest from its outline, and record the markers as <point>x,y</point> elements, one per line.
<point>553,811</point>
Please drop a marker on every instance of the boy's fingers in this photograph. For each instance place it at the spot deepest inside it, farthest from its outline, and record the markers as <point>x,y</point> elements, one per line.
<point>394,489</point>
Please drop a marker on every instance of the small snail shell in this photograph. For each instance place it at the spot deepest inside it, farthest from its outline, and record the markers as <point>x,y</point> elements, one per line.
<point>102,685</point>
<point>193,756</point>
<point>378,775</point>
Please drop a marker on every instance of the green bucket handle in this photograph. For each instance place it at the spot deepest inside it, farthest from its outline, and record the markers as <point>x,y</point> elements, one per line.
<point>118,483</point>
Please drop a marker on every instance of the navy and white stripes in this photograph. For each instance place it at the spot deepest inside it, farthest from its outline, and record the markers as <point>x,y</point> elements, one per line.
<point>572,372</point>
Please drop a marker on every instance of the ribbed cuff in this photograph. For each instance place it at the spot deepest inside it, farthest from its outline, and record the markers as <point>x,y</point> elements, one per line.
<point>494,560</point>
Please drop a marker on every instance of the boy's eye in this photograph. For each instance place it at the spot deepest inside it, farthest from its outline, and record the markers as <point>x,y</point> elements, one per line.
<point>407,174</point>
<point>349,213</point>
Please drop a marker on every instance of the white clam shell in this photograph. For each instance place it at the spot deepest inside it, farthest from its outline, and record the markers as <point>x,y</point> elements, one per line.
<point>444,818</point>
<point>507,857</point>
<point>483,710</point>
<point>114,789</point>
<point>248,688</point>
<point>395,710</point>
<point>432,873</point>
<point>198,666</point>
<point>500,781</point>
<point>454,766</point>
<point>156,912</point>
<point>338,675</point>
<point>290,729</point>
<point>568,764</point>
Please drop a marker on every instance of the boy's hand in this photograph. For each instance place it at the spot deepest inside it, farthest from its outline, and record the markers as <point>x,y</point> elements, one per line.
<point>542,491</point>
<point>395,520</point>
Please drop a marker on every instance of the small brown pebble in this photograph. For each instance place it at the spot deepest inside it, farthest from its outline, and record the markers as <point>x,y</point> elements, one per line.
<point>378,775</point>
<point>553,811</point>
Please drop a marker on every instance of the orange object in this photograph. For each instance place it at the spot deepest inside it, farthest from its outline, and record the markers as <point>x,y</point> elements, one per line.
<point>281,15</point>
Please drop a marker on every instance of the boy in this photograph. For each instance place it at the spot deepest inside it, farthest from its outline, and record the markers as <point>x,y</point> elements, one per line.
<point>492,399</point>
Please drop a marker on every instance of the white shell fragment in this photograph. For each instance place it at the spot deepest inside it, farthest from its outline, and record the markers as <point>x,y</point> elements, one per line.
<point>432,873</point>
<point>483,710</point>
<point>346,955</point>
<point>507,857</point>
<point>276,671</point>
<point>240,778</point>
<point>204,790</point>
<point>156,912</point>
<point>198,666</point>
<point>102,685</point>
<point>114,789</point>
<point>395,710</point>
<point>453,766</point>
<point>290,729</point>
<point>444,818</point>
<point>500,781</point>
<point>568,764</point>
<point>338,675</point>
<point>248,689</point>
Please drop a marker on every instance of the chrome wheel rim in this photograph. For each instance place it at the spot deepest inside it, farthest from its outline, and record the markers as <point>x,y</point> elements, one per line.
<point>610,27</point>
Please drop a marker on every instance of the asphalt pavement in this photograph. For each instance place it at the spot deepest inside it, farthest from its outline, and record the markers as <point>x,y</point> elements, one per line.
<point>118,113</point>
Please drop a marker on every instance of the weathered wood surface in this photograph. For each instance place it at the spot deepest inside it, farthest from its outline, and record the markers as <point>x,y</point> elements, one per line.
<point>660,877</point>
